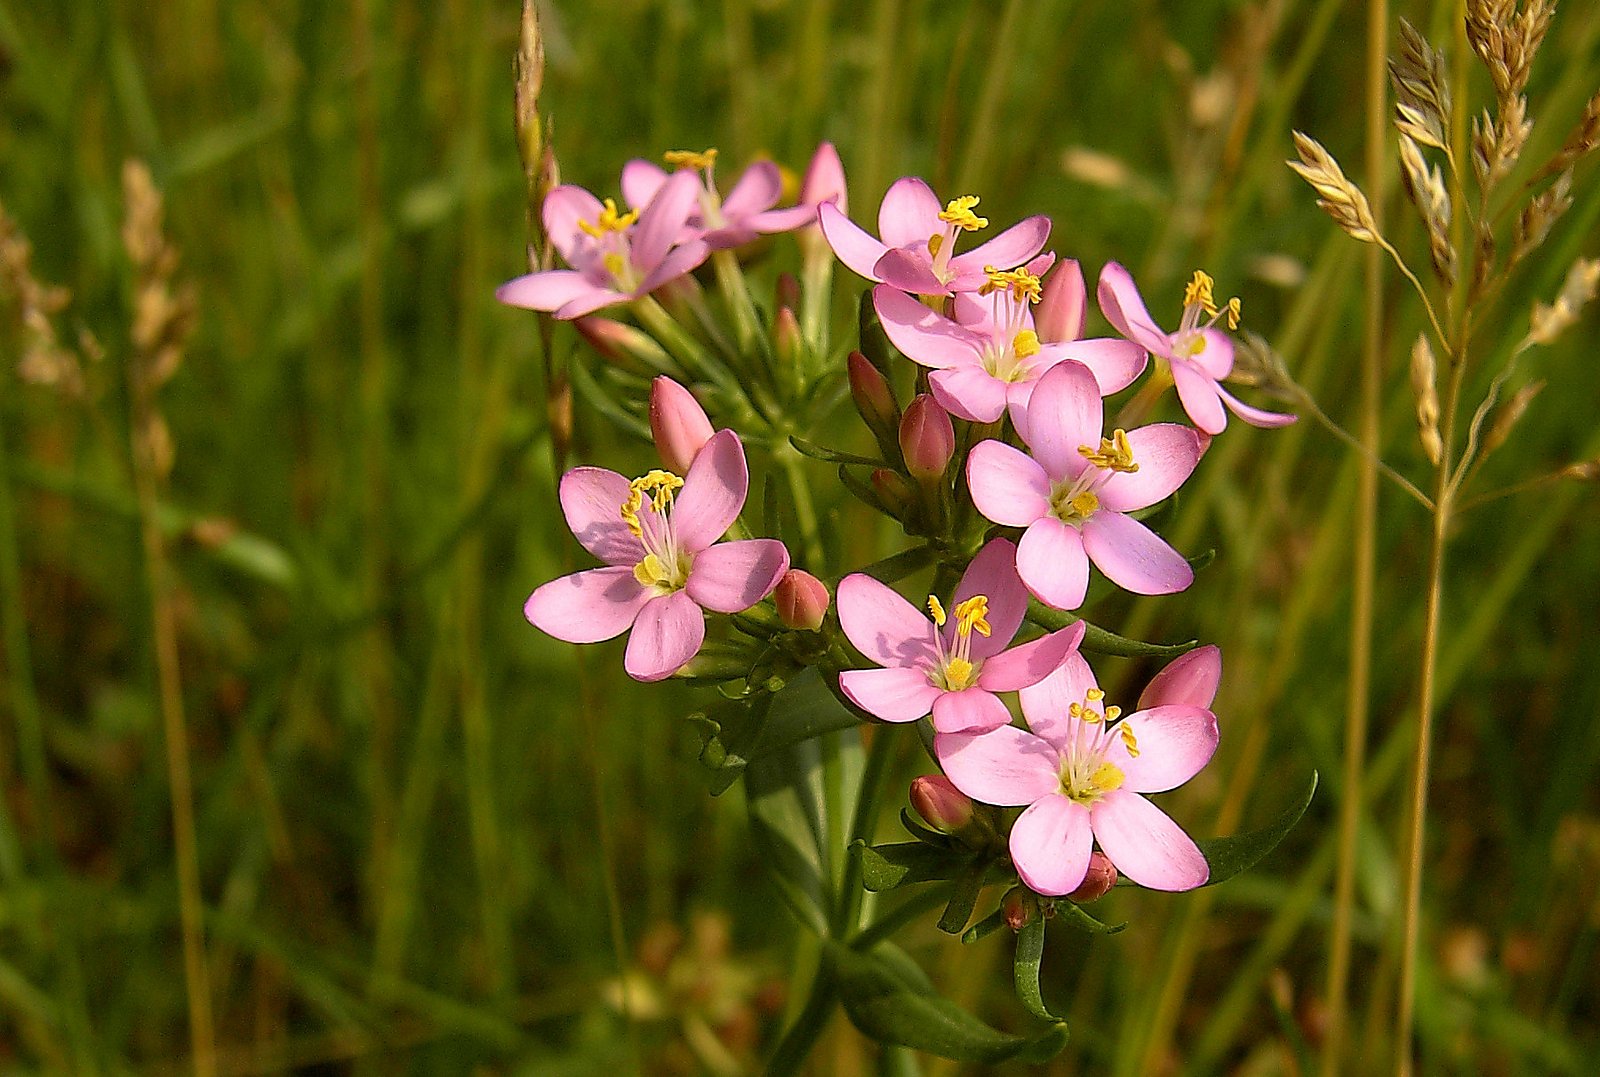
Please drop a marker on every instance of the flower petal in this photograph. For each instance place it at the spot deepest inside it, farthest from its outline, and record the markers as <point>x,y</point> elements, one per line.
<point>1166,454</point>
<point>1030,663</point>
<point>1146,845</point>
<point>1005,767</point>
<point>1190,679</point>
<point>824,179</point>
<point>1200,397</point>
<point>909,213</point>
<point>563,208</point>
<point>667,633</point>
<point>993,574</point>
<point>1115,364</point>
<point>1174,743</point>
<point>1008,486</point>
<point>909,269</point>
<point>684,258</point>
<point>851,244</point>
<point>901,694</point>
<point>1216,358</point>
<point>883,626</point>
<point>641,180</point>
<point>549,289</point>
<point>587,303</point>
<point>1254,416</point>
<point>1064,413</point>
<point>1045,705</point>
<point>713,492</point>
<point>1053,564</point>
<point>969,392</point>
<point>587,607</point>
<point>1134,557</point>
<point>1124,308</point>
<point>782,220</point>
<point>925,336</point>
<point>1050,845</point>
<point>663,219</point>
<point>972,710</point>
<point>1007,250</point>
<point>1059,315</point>
<point>732,576</point>
<point>758,189</point>
<point>591,500</point>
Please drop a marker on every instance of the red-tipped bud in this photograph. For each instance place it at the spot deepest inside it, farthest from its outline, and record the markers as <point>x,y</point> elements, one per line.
<point>872,394</point>
<point>802,600</point>
<point>927,438</point>
<point>894,492</point>
<point>788,291</point>
<point>1098,883</point>
<point>786,336</point>
<point>679,424</point>
<point>1059,315</point>
<point>824,180</point>
<point>940,803</point>
<point>1018,909</point>
<point>617,342</point>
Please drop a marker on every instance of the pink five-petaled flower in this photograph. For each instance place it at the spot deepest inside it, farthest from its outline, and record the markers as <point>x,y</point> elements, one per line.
<point>1081,772</point>
<point>949,665</point>
<point>1074,492</point>
<point>615,257</point>
<point>917,249</point>
<point>658,537</point>
<point>1198,355</point>
<point>721,222</point>
<point>990,355</point>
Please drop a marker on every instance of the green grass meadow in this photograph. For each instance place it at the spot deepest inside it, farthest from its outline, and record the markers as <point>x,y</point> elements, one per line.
<point>431,840</point>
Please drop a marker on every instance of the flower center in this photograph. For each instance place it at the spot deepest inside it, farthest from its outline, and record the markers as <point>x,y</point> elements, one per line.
<point>1011,343</point>
<point>953,668</point>
<point>1114,453</point>
<point>647,514</point>
<point>1074,502</point>
<point>1199,300</point>
<point>1086,775</point>
<point>609,221</point>
<point>957,216</point>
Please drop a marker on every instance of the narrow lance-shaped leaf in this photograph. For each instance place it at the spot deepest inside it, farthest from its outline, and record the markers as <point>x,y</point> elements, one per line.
<point>1230,856</point>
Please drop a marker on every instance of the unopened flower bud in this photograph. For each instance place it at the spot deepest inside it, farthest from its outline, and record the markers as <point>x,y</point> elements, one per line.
<point>927,438</point>
<point>802,600</point>
<point>788,291</point>
<point>679,424</point>
<point>894,492</point>
<point>1018,909</point>
<point>617,342</point>
<point>786,337</point>
<point>1059,315</point>
<point>824,180</point>
<point>1098,882</point>
<point>940,803</point>
<point>874,400</point>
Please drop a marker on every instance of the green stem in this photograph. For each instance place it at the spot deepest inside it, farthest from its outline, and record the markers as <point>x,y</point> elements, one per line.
<point>924,901</point>
<point>736,293</point>
<point>805,509</point>
<point>879,757</point>
<point>807,1028</point>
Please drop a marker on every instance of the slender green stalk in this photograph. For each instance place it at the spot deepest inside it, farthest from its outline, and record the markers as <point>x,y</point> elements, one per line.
<point>805,510</point>
<point>807,1029</point>
<point>880,755</point>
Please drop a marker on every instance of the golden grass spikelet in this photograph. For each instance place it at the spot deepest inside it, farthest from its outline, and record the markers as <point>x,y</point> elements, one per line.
<point>1338,196</point>
<point>1583,139</point>
<point>1496,147</point>
<point>1583,471</point>
<point>1422,89</point>
<point>43,361</point>
<point>1506,420</point>
<point>1507,40</point>
<point>1424,185</point>
<point>1424,371</point>
<point>533,132</point>
<point>1540,215</point>
<point>1549,321</point>
<point>1256,362</point>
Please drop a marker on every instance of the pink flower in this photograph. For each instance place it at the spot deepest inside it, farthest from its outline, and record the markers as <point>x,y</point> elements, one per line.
<point>951,666</point>
<point>720,222</point>
<point>658,538</point>
<point>1199,356</point>
<point>917,251</point>
<point>990,356</point>
<point>615,257</point>
<point>1074,492</point>
<point>1081,772</point>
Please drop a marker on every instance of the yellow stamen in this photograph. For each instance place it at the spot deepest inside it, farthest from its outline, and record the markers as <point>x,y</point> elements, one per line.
<point>936,610</point>
<point>935,244</point>
<point>958,211</point>
<point>1234,311</point>
<point>957,674</point>
<point>972,615</point>
<point>659,486</point>
<point>1087,714</point>
<point>650,571</point>
<point>1107,777</point>
<point>1130,742</point>
<point>1199,293</point>
<point>1025,344</point>
<point>1113,713</point>
<point>1114,453</point>
<point>1023,286</point>
<point>690,158</point>
<point>1094,695</point>
<point>609,220</point>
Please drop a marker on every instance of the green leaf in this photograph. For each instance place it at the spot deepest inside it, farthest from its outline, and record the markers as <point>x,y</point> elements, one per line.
<point>1098,640</point>
<point>986,927</point>
<point>742,732</point>
<point>1230,856</point>
<point>884,867</point>
<point>898,566</point>
<point>832,456</point>
<point>596,396</point>
<point>1025,968</point>
<point>890,999</point>
<point>1076,915</point>
<point>922,833</point>
<point>959,910</point>
<point>874,341</point>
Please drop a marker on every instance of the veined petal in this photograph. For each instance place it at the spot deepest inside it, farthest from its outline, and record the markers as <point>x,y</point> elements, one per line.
<point>993,574</point>
<point>592,500</point>
<point>641,181</point>
<point>1052,563</point>
<point>758,189</point>
<point>1008,486</point>
<point>1146,845</point>
<point>1254,416</point>
<point>1190,679</point>
<point>1007,250</point>
<point>909,213</point>
<point>1166,454</point>
<point>713,492</point>
<point>549,289</point>
<point>1200,396</point>
<point>663,219</point>
<point>1045,705</point>
<point>925,336</point>
<point>909,269</point>
<point>667,633</point>
<point>969,392</point>
<point>1134,557</point>
<point>1005,767</point>
<point>1115,364</point>
<point>728,577</point>
<point>882,625</point>
<point>1030,663</point>
<point>1124,308</point>
<point>1174,743</point>
<point>563,208</point>
<point>897,694</point>
<point>1050,845</point>
<point>1064,413</point>
<point>972,710</point>
<point>851,244</point>
<point>589,606</point>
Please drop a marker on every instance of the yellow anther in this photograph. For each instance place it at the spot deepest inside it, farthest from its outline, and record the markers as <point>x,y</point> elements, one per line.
<point>659,486</point>
<point>690,158</point>
<point>609,220</point>
<point>1025,344</point>
<point>935,245</point>
<point>1113,713</point>
<point>1199,293</point>
<point>1114,453</point>
<point>972,615</point>
<point>957,674</point>
<point>1107,777</point>
<point>1094,695</point>
<point>650,571</point>
<point>1087,714</point>
<point>936,611</point>
<point>1234,309</point>
<point>1023,286</point>
<point>958,211</point>
<point>1130,742</point>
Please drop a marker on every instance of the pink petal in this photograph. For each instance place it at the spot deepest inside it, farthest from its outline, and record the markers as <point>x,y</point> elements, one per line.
<point>1166,454</point>
<point>882,625</point>
<point>1190,679</point>
<point>1145,844</point>
<point>853,246</point>
<point>824,180</point>
<point>925,336</point>
<point>758,189</point>
<point>663,219</point>
<point>1059,315</point>
<point>1010,248</point>
<point>1064,413</point>
<point>1115,364</point>
<point>1199,395</point>
<point>1216,358</point>
<point>973,710</point>
<point>1045,705</point>
<point>901,694</point>
<point>1005,766</point>
<point>1030,663</point>
<point>969,393</point>
<point>1134,557</point>
<point>1007,485</point>
<point>589,302</point>
<point>909,269</point>
<point>1254,416</point>
<point>1174,743</point>
<point>1124,308</point>
<point>1050,845</point>
<point>563,208</point>
<point>641,180</point>
<point>782,220</point>
<point>684,258</point>
<point>733,576</point>
<point>713,492</point>
<point>591,500</point>
<point>1053,564</point>
<point>909,213</point>
<point>993,573</point>
<point>549,290</point>
<point>668,632</point>
<point>587,607</point>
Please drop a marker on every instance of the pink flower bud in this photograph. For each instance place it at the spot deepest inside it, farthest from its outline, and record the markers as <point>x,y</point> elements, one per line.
<point>894,492</point>
<point>679,424</point>
<point>788,291</point>
<point>786,336</point>
<point>872,394</point>
<point>927,438</point>
<point>802,600</point>
<point>940,803</point>
<point>1098,882</point>
<point>616,342</point>
<point>1059,315</point>
<point>1018,909</point>
<point>824,181</point>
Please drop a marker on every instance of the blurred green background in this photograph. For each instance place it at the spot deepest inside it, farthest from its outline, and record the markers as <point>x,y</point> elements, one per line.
<point>410,806</point>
